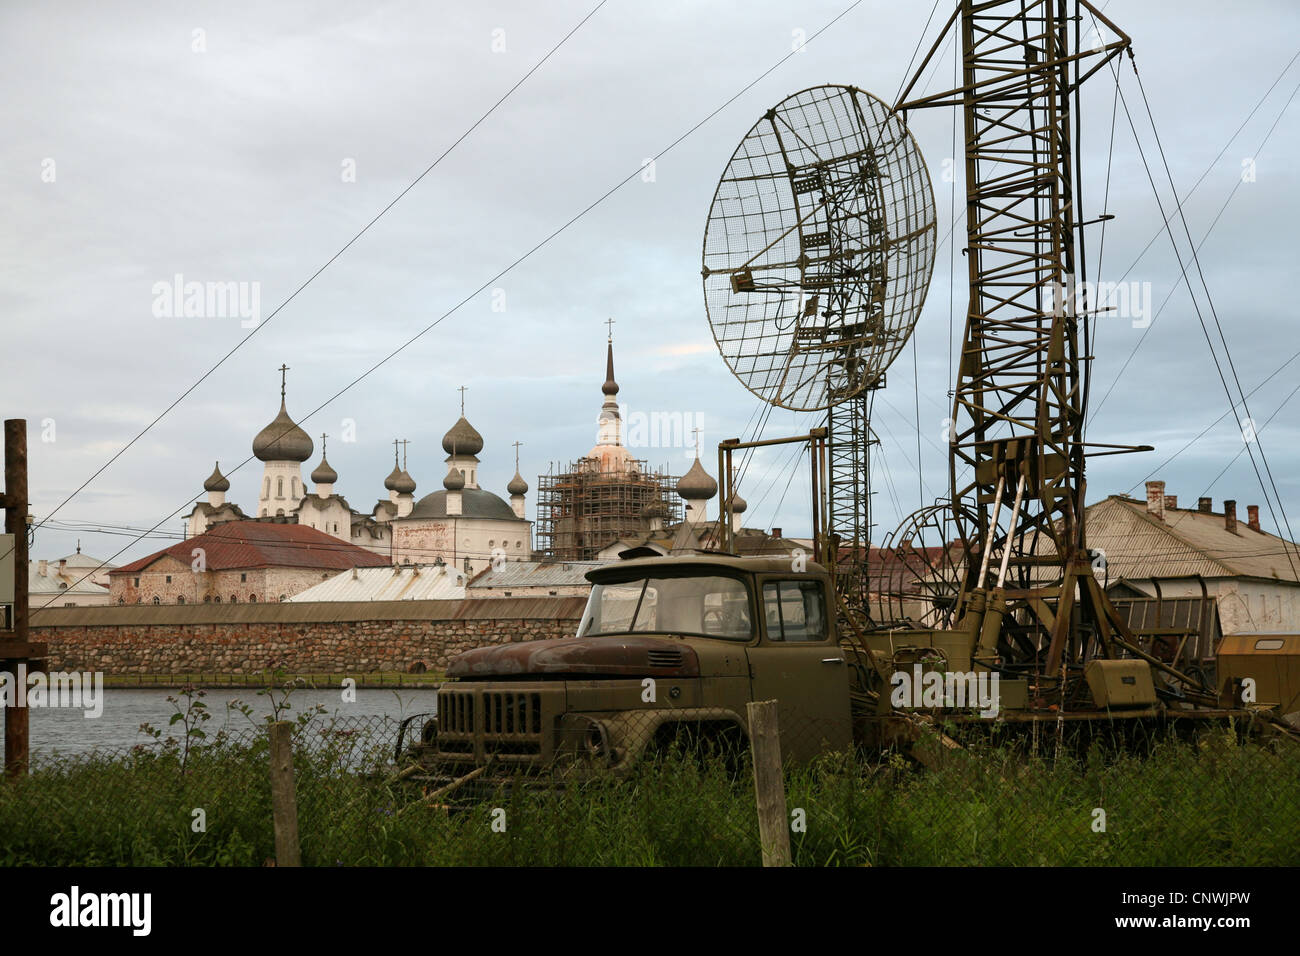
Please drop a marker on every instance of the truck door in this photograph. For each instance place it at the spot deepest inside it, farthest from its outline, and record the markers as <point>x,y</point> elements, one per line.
<point>797,663</point>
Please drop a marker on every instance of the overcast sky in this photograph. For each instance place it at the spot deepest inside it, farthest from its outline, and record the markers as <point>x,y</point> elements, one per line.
<point>248,142</point>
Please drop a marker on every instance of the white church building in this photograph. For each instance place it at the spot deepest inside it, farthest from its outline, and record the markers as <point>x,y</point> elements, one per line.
<point>463,525</point>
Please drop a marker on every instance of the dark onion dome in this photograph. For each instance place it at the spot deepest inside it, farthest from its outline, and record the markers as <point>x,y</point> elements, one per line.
<point>404,484</point>
<point>462,439</point>
<point>696,485</point>
<point>474,503</point>
<point>454,481</point>
<point>282,440</point>
<point>217,481</point>
<point>610,387</point>
<point>738,504</point>
<point>394,477</point>
<point>517,485</point>
<point>323,473</point>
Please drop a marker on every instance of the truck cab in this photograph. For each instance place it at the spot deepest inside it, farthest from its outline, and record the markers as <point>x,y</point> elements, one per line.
<point>665,645</point>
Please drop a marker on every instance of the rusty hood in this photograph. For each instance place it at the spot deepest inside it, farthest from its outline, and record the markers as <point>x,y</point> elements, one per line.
<point>624,656</point>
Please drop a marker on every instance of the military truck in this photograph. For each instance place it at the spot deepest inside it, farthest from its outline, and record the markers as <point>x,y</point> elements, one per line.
<point>674,647</point>
<point>666,646</point>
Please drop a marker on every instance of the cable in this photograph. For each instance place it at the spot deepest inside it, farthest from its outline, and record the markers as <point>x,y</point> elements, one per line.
<point>521,259</point>
<point>257,328</point>
<point>1214,313</point>
<point>1207,428</point>
<point>1145,332</point>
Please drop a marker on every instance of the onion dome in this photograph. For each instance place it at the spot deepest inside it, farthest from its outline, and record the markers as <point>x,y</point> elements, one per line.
<point>404,484</point>
<point>696,485</point>
<point>462,439</point>
<point>323,474</point>
<point>217,481</point>
<point>282,440</point>
<point>517,485</point>
<point>610,387</point>
<point>738,504</point>
<point>394,478</point>
<point>454,481</point>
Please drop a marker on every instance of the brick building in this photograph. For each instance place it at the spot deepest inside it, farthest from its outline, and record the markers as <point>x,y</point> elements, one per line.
<point>238,562</point>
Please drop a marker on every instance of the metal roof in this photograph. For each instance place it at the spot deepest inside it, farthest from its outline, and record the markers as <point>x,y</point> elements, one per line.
<point>79,560</point>
<point>474,503</point>
<point>52,582</point>
<point>535,574</point>
<point>288,612</point>
<point>1187,543</point>
<point>259,544</point>
<point>410,582</point>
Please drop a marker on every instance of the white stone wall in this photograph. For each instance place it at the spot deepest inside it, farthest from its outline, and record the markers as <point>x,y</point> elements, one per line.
<point>281,489</point>
<point>455,539</point>
<point>1245,606</point>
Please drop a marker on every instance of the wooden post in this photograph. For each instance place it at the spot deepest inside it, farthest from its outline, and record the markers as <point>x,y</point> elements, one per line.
<point>284,800</point>
<point>15,648</point>
<point>769,783</point>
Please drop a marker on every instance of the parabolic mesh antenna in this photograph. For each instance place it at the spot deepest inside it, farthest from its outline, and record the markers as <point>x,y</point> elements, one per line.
<point>819,248</point>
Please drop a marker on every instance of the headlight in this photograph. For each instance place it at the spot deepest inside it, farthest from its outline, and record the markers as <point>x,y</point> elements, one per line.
<point>597,739</point>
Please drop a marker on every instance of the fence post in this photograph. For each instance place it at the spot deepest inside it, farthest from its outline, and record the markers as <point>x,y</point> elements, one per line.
<point>769,783</point>
<point>284,801</point>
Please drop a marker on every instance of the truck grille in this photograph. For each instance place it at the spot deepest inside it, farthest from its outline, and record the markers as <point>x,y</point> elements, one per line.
<point>501,722</point>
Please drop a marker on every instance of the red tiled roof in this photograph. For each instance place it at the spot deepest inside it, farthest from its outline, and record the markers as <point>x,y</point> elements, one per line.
<point>257,544</point>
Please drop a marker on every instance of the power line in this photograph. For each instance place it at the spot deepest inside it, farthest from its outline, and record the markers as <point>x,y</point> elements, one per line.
<point>528,254</point>
<point>364,229</point>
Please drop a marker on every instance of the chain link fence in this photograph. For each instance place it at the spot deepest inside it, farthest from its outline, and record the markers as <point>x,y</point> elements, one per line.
<point>507,792</point>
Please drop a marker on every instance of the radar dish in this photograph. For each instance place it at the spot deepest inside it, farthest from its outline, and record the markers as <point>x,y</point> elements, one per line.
<point>819,248</point>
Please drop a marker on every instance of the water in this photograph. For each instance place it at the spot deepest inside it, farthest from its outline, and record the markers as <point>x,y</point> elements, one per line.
<point>67,731</point>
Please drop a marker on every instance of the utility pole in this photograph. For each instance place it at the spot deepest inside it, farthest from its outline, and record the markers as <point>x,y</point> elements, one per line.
<point>15,649</point>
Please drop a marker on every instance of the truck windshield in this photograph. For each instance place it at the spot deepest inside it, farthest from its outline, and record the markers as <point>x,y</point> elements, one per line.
<point>705,606</point>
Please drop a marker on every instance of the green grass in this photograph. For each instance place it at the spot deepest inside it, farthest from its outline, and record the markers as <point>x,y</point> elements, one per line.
<point>1216,803</point>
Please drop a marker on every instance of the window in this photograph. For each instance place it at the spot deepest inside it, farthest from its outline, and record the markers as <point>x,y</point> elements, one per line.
<point>137,582</point>
<point>1269,644</point>
<point>279,487</point>
<point>336,527</point>
<point>217,599</point>
<point>243,576</point>
<point>157,599</point>
<point>709,606</point>
<point>266,491</point>
<point>169,579</point>
<point>252,599</point>
<point>281,597</point>
<point>121,600</point>
<point>293,483</point>
<point>207,599</point>
<point>794,611</point>
<point>234,599</point>
<point>180,599</point>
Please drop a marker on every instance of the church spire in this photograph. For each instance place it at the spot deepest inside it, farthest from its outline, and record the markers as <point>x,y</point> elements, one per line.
<point>610,387</point>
